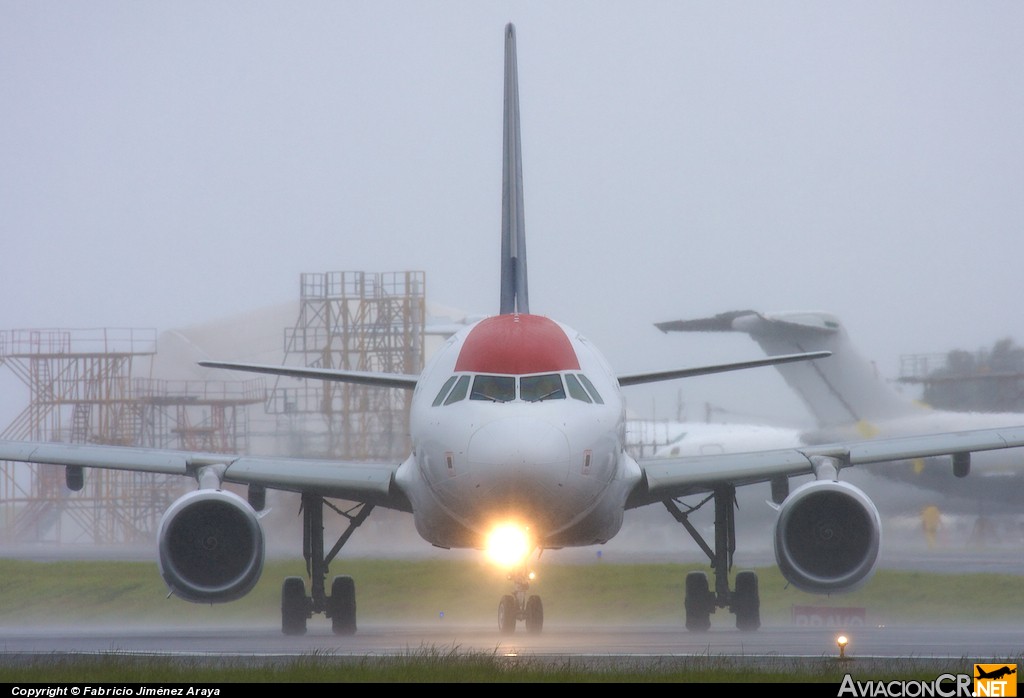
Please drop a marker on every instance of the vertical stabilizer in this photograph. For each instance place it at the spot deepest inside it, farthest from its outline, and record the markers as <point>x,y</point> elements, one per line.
<point>839,391</point>
<point>514,295</point>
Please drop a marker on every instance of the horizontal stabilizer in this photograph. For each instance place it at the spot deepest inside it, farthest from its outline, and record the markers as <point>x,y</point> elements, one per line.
<point>654,376</point>
<point>717,323</point>
<point>753,322</point>
<point>383,380</point>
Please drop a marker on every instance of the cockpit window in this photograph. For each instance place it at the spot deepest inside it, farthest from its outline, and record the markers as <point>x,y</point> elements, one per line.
<point>494,388</point>
<point>444,390</point>
<point>459,392</point>
<point>502,388</point>
<point>575,389</point>
<point>546,387</point>
<point>591,389</point>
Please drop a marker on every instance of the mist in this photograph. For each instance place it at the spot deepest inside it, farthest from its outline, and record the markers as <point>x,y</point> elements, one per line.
<point>178,166</point>
<point>168,165</point>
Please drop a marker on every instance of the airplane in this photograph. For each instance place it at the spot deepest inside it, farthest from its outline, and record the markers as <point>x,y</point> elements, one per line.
<point>995,673</point>
<point>517,426</point>
<point>647,436</point>
<point>706,438</point>
<point>848,399</point>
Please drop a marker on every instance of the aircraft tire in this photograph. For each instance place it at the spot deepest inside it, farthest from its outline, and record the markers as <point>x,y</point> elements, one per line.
<point>747,602</point>
<point>534,615</point>
<point>507,611</point>
<point>343,605</point>
<point>697,602</point>
<point>294,606</point>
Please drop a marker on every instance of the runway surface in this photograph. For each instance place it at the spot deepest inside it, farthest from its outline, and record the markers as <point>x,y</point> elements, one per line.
<point>922,642</point>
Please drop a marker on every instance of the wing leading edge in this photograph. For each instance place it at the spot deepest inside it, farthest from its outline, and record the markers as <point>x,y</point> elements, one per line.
<point>666,478</point>
<point>369,482</point>
<point>381,380</point>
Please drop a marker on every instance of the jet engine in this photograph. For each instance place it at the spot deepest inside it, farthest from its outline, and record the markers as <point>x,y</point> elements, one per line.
<point>211,546</point>
<point>827,537</point>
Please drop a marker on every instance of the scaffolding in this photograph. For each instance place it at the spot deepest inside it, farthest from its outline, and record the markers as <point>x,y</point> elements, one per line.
<point>355,321</point>
<point>83,389</point>
<point>974,382</point>
<point>209,416</point>
<point>917,368</point>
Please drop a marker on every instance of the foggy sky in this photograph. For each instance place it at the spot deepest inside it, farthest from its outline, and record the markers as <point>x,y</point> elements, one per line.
<point>168,164</point>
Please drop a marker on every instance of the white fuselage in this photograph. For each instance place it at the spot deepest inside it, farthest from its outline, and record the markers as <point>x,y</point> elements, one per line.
<point>704,439</point>
<point>518,419</point>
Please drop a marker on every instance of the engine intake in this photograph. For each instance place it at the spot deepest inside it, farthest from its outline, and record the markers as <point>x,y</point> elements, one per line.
<point>827,537</point>
<point>210,547</point>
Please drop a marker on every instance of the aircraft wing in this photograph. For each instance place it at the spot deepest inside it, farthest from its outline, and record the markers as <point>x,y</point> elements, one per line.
<point>408,382</point>
<point>368,482</point>
<point>382,380</point>
<point>668,477</point>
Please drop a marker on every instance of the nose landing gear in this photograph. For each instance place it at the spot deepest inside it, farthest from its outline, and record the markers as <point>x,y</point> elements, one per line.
<point>520,606</point>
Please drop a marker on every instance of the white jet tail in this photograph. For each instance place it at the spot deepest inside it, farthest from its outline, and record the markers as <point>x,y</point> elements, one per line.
<point>840,390</point>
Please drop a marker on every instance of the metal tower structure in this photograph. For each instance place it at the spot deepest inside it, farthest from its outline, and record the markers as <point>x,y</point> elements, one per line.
<point>79,383</point>
<point>197,415</point>
<point>83,389</point>
<point>359,321</point>
<point>978,381</point>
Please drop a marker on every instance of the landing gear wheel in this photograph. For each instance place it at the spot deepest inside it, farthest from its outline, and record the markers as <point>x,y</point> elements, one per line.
<point>507,610</point>
<point>746,602</point>
<point>294,606</point>
<point>534,615</point>
<point>342,606</point>
<point>698,602</point>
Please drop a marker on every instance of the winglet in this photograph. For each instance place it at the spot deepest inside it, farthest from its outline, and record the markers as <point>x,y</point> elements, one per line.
<point>514,294</point>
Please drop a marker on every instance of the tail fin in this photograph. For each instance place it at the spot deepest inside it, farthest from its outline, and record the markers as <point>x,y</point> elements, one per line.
<point>514,293</point>
<point>841,390</point>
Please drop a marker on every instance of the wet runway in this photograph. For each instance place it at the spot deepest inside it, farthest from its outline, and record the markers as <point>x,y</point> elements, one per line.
<point>935,642</point>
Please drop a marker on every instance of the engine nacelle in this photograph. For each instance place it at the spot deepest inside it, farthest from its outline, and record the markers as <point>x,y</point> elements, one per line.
<point>827,537</point>
<point>211,547</point>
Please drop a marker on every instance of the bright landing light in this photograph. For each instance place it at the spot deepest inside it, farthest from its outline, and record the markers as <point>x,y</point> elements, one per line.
<point>507,545</point>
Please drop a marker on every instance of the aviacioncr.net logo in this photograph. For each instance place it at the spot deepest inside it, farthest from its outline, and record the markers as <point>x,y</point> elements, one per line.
<point>995,680</point>
<point>945,686</point>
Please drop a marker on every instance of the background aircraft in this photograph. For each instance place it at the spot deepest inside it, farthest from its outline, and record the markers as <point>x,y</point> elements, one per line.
<point>849,399</point>
<point>517,425</point>
<point>673,438</point>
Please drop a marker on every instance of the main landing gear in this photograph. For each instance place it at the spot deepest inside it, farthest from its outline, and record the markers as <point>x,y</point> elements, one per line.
<point>520,605</point>
<point>700,602</point>
<point>340,606</point>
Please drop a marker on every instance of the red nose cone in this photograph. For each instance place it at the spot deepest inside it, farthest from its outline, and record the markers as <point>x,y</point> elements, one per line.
<point>517,344</point>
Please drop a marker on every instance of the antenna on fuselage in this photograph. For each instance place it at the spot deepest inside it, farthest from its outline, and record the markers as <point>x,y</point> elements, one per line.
<point>514,294</point>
